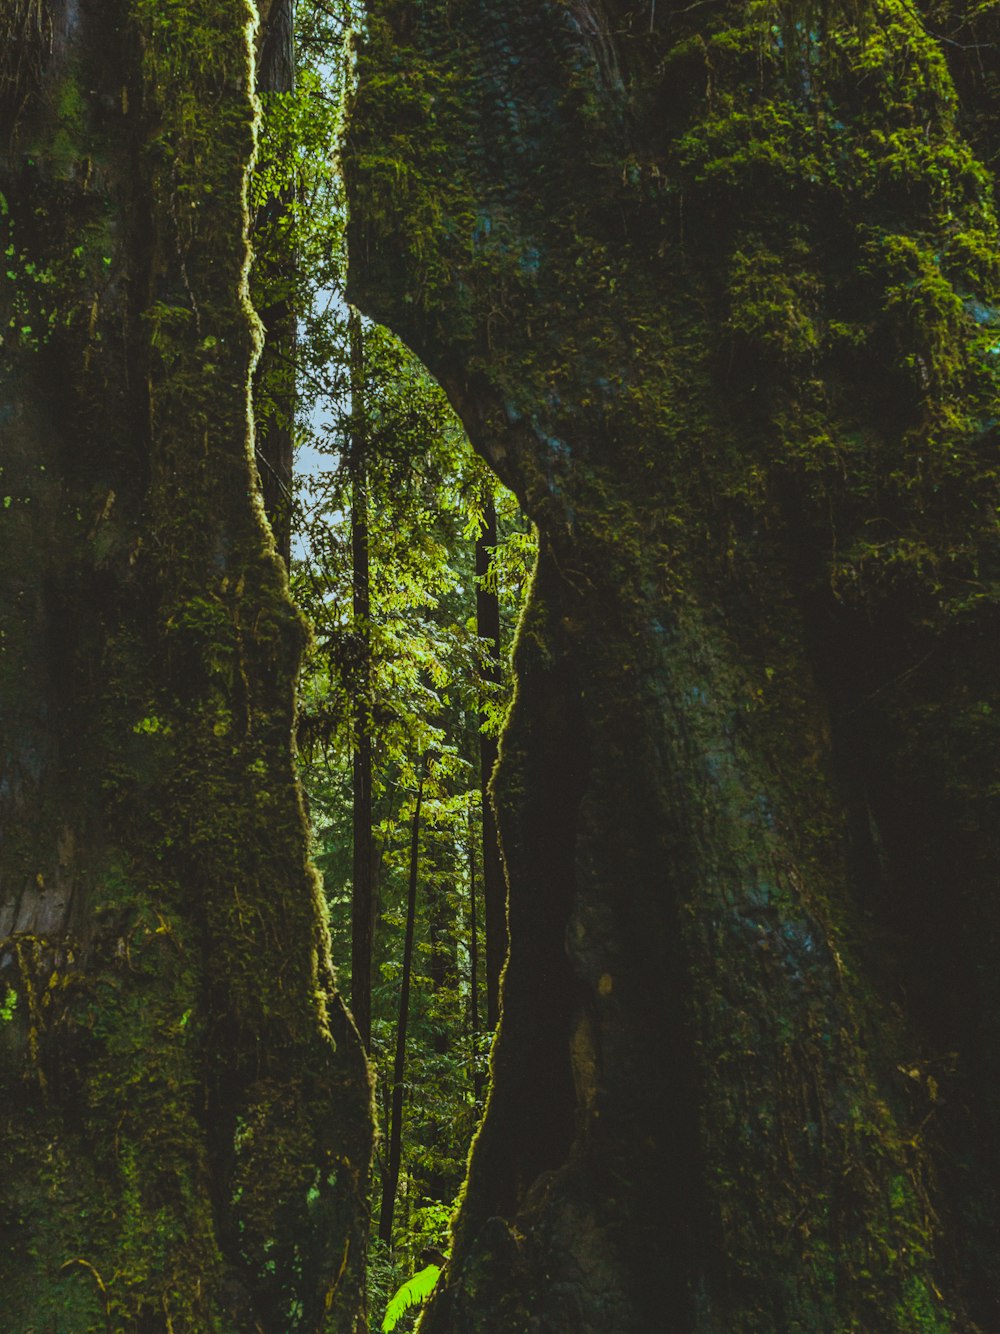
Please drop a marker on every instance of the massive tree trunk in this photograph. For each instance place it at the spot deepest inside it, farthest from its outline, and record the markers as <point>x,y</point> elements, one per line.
<point>715,291</point>
<point>184,1102</point>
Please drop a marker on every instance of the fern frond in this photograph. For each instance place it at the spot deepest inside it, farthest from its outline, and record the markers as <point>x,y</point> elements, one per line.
<point>414,1290</point>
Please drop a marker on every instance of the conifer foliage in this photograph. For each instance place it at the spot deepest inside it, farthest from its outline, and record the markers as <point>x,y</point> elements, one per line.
<point>411,562</point>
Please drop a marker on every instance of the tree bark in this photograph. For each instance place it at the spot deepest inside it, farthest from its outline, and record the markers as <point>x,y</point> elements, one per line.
<point>363,883</point>
<point>390,1183</point>
<point>717,302</point>
<point>477,1078</point>
<point>184,1102</point>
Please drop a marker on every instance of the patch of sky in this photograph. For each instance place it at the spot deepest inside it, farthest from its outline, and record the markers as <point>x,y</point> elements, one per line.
<point>316,450</point>
<point>981,313</point>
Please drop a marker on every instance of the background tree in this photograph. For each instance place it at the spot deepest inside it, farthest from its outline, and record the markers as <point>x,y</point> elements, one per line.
<point>275,281</point>
<point>714,289</point>
<point>363,871</point>
<point>390,1183</point>
<point>494,884</point>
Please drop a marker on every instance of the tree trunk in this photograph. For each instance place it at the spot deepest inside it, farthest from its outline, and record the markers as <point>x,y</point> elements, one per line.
<point>494,883</point>
<point>718,303</point>
<point>477,1078</point>
<point>184,1103</point>
<point>274,375</point>
<point>395,1136</point>
<point>363,883</point>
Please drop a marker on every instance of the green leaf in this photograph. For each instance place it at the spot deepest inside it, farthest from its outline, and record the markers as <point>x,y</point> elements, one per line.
<point>415,1290</point>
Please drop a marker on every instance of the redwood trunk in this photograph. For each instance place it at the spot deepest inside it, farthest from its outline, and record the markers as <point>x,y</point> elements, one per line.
<point>184,1104</point>
<point>714,292</point>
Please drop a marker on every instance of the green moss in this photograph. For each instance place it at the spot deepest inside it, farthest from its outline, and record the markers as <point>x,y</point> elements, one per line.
<point>169,1082</point>
<point>732,340</point>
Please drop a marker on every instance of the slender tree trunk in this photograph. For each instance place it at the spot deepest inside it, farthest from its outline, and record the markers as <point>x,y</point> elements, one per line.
<point>363,888</point>
<point>477,1079</point>
<point>439,1183</point>
<point>721,323</point>
<point>274,277</point>
<point>184,1106</point>
<point>442,933</point>
<point>391,1180</point>
<point>494,883</point>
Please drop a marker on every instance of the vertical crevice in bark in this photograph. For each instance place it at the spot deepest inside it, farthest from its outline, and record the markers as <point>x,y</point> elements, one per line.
<point>25,44</point>
<point>914,730</point>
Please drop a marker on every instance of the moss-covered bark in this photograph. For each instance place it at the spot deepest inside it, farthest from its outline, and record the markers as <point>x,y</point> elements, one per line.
<point>715,290</point>
<point>183,1099</point>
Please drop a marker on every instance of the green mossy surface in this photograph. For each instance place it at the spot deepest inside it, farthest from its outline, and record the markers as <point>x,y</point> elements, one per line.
<point>716,293</point>
<point>186,1111</point>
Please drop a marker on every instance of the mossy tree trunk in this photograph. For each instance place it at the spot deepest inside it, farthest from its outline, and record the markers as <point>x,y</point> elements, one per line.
<point>715,289</point>
<point>184,1102</point>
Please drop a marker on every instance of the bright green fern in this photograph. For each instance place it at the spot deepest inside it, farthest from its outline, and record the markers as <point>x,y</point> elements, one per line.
<point>414,1290</point>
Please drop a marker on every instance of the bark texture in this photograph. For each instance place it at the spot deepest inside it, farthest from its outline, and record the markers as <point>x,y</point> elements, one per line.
<point>715,290</point>
<point>184,1103</point>
<point>363,850</point>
